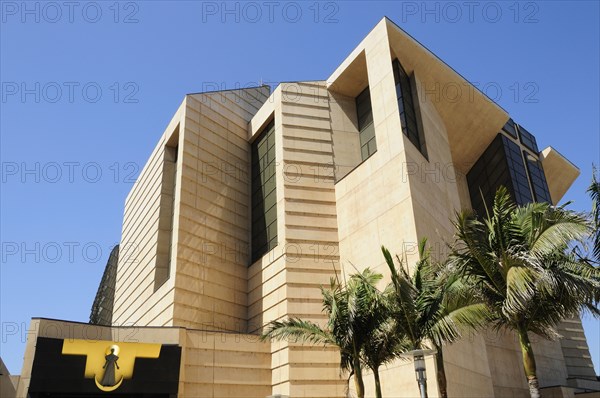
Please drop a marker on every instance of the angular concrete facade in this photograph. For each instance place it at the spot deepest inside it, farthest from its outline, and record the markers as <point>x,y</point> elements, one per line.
<point>186,269</point>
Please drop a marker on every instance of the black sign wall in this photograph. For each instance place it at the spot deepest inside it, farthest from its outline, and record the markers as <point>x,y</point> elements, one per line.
<point>57,375</point>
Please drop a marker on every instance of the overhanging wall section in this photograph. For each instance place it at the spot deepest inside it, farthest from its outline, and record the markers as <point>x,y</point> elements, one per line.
<point>102,308</point>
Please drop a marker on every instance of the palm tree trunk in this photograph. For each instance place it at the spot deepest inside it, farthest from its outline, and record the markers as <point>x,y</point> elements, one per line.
<point>377,383</point>
<point>358,378</point>
<point>529,363</point>
<point>441,373</point>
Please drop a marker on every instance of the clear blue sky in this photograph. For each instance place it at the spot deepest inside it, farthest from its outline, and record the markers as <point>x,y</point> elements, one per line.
<point>69,156</point>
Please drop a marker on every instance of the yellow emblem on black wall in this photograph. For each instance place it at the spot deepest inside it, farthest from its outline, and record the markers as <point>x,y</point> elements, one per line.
<point>109,362</point>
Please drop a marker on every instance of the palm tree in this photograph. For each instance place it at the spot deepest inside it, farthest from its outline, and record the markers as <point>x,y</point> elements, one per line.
<point>354,313</point>
<point>594,191</point>
<point>516,260</point>
<point>384,346</point>
<point>431,307</point>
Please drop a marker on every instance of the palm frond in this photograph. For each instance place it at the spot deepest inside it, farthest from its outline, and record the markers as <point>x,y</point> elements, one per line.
<point>556,230</point>
<point>594,192</point>
<point>517,263</point>
<point>454,324</point>
<point>298,330</point>
<point>521,289</point>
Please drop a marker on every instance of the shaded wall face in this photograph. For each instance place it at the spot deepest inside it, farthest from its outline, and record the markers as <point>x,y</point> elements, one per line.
<point>7,388</point>
<point>346,140</point>
<point>576,351</point>
<point>436,189</point>
<point>102,308</point>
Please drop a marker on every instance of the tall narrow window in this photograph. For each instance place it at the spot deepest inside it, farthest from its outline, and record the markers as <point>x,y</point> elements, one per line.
<point>366,130</point>
<point>167,208</point>
<point>520,184</point>
<point>500,164</point>
<point>537,178</point>
<point>528,139</point>
<point>406,106</point>
<point>264,196</point>
<point>510,128</point>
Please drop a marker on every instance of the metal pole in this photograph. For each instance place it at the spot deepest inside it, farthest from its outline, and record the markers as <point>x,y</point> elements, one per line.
<point>418,357</point>
<point>422,383</point>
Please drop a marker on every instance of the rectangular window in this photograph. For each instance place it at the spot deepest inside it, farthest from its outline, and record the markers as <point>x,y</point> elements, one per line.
<point>366,129</point>
<point>528,139</point>
<point>406,106</point>
<point>510,128</point>
<point>264,196</point>
<point>167,207</point>
<point>487,174</point>
<point>518,173</point>
<point>537,178</point>
<point>501,164</point>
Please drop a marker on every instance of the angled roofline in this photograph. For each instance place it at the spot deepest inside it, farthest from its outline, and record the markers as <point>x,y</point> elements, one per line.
<point>230,89</point>
<point>441,60</point>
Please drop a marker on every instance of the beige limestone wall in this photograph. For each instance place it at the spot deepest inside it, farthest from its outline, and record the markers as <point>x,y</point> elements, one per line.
<point>575,350</point>
<point>505,364</point>
<point>8,383</point>
<point>396,197</point>
<point>206,287</point>
<point>286,282</point>
<point>213,235</point>
<point>267,275</point>
<point>136,301</point>
<point>311,237</point>
<point>344,128</point>
<point>436,196</point>
<point>373,205</point>
<point>374,201</point>
<point>220,364</point>
<point>550,361</point>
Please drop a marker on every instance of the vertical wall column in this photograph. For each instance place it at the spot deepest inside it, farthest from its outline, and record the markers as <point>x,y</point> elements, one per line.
<point>309,240</point>
<point>576,353</point>
<point>213,235</point>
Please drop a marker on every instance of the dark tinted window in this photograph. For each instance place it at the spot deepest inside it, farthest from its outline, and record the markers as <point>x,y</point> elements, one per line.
<point>528,139</point>
<point>510,128</point>
<point>500,164</point>
<point>364,112</point>
<point>264,197</point>
<point>522,193</point>
<point>538,179</point>
<point>406,106</point>
<point>487,174</point>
